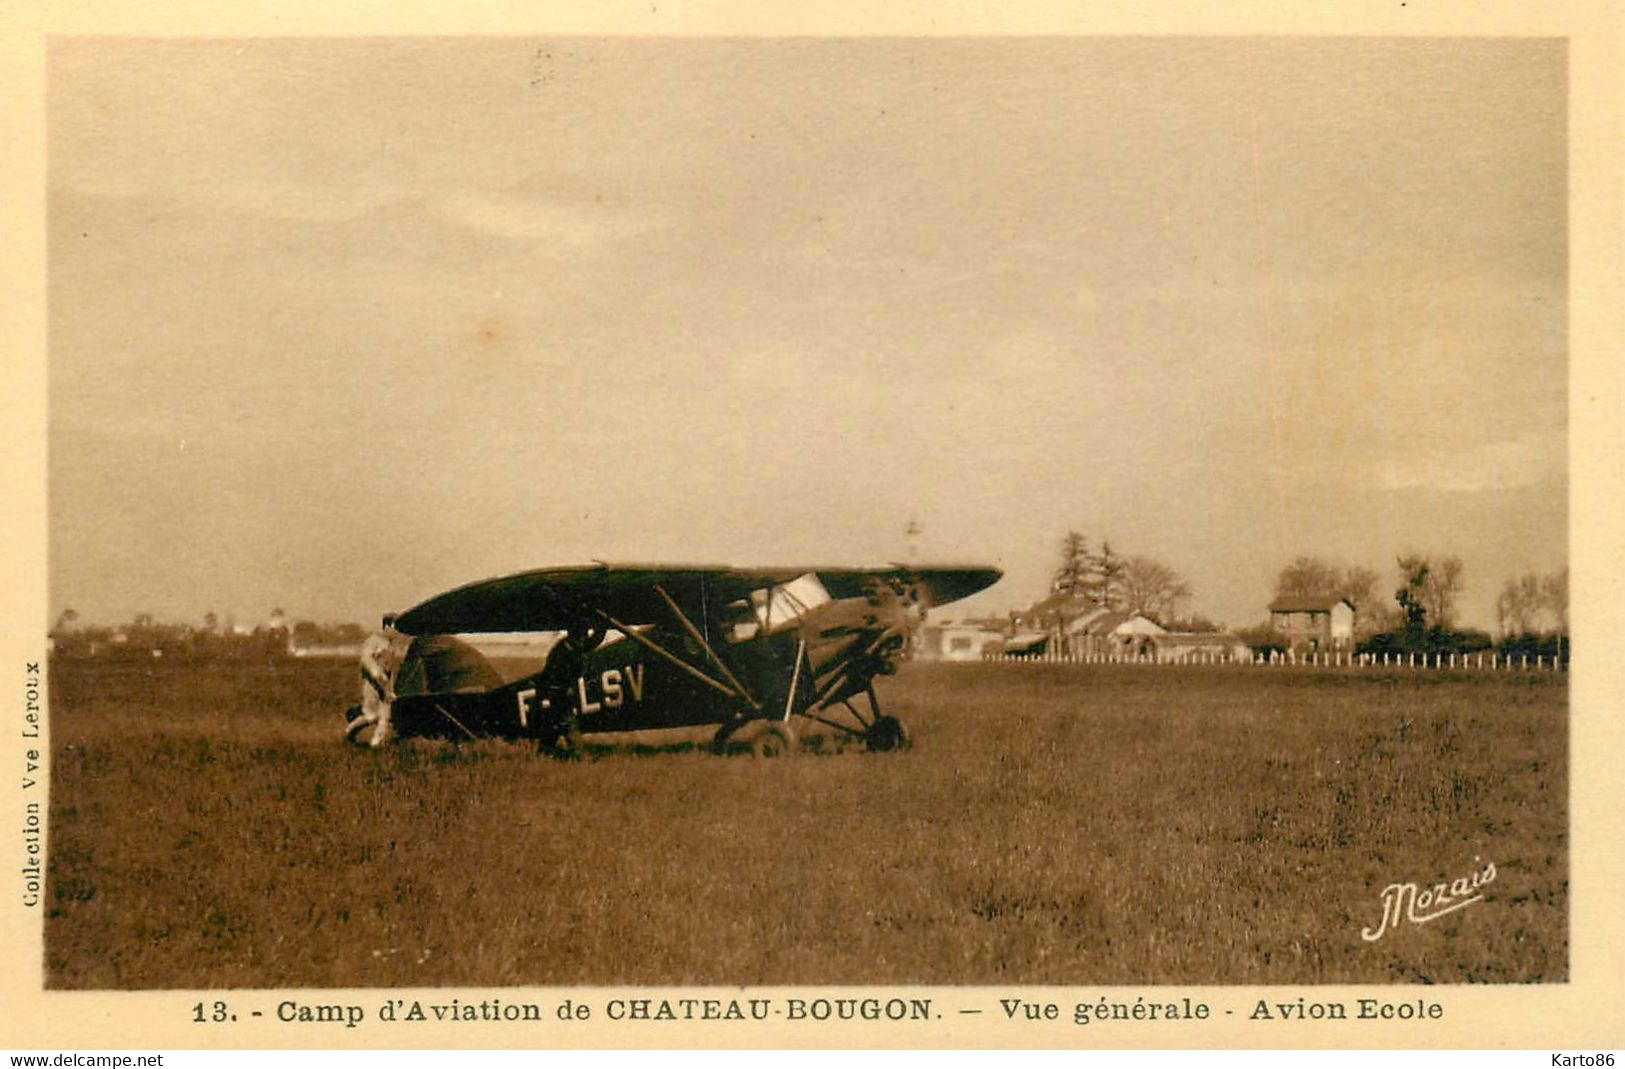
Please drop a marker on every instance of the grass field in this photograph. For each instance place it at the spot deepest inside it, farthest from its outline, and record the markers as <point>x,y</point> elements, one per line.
<point>1052,825</point>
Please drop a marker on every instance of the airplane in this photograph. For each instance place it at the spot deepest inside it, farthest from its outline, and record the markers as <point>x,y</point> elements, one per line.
<point>658,646</point>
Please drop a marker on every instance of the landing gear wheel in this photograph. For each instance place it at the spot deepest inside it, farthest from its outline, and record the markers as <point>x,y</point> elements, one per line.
<point>886,733</point>
<point>774,740</point>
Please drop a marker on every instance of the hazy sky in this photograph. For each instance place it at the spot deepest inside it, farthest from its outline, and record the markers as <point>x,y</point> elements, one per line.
<point>338,324</point>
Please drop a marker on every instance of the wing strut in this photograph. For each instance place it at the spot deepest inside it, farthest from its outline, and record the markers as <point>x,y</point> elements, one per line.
<point>694,633</point>
<point>441,709</point>
<point>795,677</point>
<point>655,647</point>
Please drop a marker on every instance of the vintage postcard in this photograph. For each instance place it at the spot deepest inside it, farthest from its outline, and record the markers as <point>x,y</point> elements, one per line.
<point>646,529</point>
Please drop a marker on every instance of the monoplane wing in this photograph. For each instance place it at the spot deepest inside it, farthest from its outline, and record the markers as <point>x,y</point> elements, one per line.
<point>554,599</point>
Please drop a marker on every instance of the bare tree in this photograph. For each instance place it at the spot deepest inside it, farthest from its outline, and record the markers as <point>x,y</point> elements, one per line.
<point>1441,591</point>
<point>1307,577</point>
<point>1152,588</point>
<point>1359,585</point>
<point>1519,604</point>
<point>1383,616</point>
<point>1554,590</point>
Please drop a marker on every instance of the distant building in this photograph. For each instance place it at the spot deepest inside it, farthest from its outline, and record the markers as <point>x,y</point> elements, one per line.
<point>967,640</point>
<point>1025,644</point>
<point>1313,623</point>
<point>1112,633</point>
<point>1053,625</point>
<point>1176,646</point>
<point>1054,613</point>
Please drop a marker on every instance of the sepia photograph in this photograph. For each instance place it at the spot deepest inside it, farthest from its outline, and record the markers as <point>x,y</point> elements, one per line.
<point>828,520</point>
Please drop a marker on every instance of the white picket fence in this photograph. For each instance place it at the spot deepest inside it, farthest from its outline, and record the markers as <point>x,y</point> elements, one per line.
<point>1487,662</point>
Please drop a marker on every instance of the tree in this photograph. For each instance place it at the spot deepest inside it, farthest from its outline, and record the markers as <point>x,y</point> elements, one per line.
<point>1152,588</point>
<point>1519,604</point>
<point>1440,591</point>
<point>1359,586</point>
<point>1413,571</point>
<point>1526,603</point>
<point>1106,578</point>
<point>1554,589</point>
<point>1308,577</point>
<point>1073,574</point>
<point>1430,590</point>
<point>1383,617</point>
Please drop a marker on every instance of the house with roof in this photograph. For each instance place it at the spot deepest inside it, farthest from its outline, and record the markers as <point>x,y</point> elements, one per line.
<point>1042,627</point>
<point>1054,612</point>
<point>1313,623</point>
<point>1112,632</point>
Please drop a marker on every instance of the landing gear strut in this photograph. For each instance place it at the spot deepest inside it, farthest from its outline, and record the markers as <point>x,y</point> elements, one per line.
<point>880,732</point>
<point>724,736</point>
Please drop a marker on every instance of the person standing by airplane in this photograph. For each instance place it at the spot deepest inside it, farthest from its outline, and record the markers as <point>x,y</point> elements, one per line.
<point>561,679</point>
<point>381,655</point>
